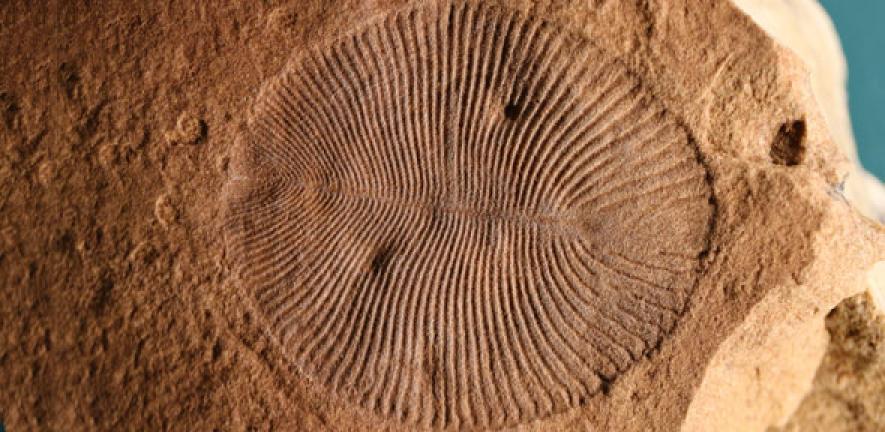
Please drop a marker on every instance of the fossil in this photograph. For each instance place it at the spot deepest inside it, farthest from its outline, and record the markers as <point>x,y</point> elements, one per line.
<point>458,215</point>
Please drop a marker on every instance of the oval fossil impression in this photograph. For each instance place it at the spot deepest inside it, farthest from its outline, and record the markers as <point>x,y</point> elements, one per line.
<point>462,216</point>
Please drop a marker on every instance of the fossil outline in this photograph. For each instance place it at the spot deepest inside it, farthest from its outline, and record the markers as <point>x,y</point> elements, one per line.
<point>462,216</point>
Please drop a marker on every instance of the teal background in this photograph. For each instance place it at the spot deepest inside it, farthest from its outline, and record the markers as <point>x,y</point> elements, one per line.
<point>861,27</point>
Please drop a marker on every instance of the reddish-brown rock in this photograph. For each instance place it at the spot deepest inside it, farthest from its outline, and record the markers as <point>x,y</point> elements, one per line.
<point>127,305</point>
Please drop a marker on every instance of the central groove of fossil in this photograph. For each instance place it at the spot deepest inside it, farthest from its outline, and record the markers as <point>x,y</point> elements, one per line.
<point>461,216</point>
<point>529,216</point>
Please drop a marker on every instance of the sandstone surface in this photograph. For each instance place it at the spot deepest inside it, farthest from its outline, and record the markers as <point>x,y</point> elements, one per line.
<point>129,129</point>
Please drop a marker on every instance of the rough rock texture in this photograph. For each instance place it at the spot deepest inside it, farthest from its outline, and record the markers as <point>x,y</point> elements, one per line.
<point>121,309</point>
<point>848,389</point>
<point>803,26</point>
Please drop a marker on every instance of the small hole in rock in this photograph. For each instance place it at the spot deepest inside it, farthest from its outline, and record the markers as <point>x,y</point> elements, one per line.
<point>511,111</point>
<point>788,147</point>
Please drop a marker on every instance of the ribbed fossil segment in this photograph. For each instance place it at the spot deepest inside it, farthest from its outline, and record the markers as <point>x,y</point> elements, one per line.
<point>461,216</point>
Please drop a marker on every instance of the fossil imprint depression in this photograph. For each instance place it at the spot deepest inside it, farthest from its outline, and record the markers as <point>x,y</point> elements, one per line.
<point>458,215</point>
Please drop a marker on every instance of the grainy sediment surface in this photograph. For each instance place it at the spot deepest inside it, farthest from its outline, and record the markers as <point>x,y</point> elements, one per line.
<point>122,127</point>
<point>849,388</point>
